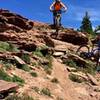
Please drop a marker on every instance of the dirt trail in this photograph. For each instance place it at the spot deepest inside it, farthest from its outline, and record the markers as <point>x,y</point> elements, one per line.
<point>60,72</point>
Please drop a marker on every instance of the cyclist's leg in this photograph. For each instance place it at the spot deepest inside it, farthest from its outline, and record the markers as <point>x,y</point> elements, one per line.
<point>54,18</point>
<point>98,65</point>
<point>60,17</point>
<point>96,53</point>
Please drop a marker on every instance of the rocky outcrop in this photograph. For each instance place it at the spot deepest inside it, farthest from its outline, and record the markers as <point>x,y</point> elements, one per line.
<point>72,36</point>
<point>15,20</point>
<point>6,87</point>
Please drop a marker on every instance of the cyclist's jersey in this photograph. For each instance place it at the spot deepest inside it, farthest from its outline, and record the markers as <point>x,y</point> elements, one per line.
<point>57,6</point>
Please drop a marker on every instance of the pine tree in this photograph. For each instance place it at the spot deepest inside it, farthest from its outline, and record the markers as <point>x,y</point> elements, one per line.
<point>86,24</point>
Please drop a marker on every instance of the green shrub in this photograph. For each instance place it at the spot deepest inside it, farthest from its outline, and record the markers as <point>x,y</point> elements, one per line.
<point>90,68</point>
<point>87,68</point>
<point>25,67</point>
<point>48,67</point>
<point>71,63</point>
<point>7,66</point>
<point>46,91</point>
<point>55,80</point>
<point>4,76</point>
<point>18,80</point>
<point>34,74</point>
<point>38,53</point>
<point>4,46</point>
<point>12,48</point>
<point>75,78</point>
<point>26,58</point>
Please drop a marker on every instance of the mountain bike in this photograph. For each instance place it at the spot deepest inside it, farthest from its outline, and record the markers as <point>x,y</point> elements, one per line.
<point>57,20</point>
<point>92,53</point>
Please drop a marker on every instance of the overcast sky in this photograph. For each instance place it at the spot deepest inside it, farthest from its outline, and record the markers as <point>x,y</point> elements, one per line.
<point>38,10</point>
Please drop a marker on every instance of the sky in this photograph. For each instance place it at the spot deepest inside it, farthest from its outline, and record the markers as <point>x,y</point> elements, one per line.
<point>38,10</point>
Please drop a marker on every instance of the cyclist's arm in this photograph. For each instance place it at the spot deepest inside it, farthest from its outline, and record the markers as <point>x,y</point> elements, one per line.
<point>65,7</point>
<point>52,5</point>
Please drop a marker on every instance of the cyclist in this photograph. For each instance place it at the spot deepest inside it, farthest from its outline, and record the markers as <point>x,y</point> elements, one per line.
<point>56,7</point>
<point>97,41</point>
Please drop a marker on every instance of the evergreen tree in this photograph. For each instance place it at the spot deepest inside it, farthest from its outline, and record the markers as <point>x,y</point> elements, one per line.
<point>86,24</point>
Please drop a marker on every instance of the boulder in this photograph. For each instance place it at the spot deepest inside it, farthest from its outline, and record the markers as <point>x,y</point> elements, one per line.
<point>7,86</point>
<point>74,37</point>
<point>71,69</point>
<point>80,75</point>
<point>58,54</point>
<point>46,39</point>
<point>15,19</point>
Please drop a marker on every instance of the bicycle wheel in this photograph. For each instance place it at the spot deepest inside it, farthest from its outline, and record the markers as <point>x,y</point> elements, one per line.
<point>82,51</point>
<point>1,96</point>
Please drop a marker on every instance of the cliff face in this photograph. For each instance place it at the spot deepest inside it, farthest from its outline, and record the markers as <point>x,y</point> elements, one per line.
<point>30,52</point>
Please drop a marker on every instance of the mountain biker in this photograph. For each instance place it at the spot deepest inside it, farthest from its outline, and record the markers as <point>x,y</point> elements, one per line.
<point>97,41</point>
<point>56,7</point>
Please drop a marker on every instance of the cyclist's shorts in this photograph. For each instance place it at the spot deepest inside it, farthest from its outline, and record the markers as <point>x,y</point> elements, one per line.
<point>55,12</point>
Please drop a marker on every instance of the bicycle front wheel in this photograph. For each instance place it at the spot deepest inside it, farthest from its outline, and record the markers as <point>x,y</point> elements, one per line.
<point>82,51</point>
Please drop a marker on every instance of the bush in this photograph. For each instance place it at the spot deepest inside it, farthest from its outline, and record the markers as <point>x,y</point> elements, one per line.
<point>71,63</point>
<point>88,68</point>
<point>4,46</point>
<point>55,80</point>
<point>18,80</point>
<point>25,67</point>
<point>34,74</point>
<point>12,48</point>
<point>75,78</point>
<point>48,67</point>
<point>7,66</point>
<point>46,91</point>
<point>4,76</point>
<point>26,58</point>
<point>38,52</point>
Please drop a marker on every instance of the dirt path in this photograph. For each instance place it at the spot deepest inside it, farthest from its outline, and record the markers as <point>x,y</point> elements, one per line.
<point>60,72</point>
